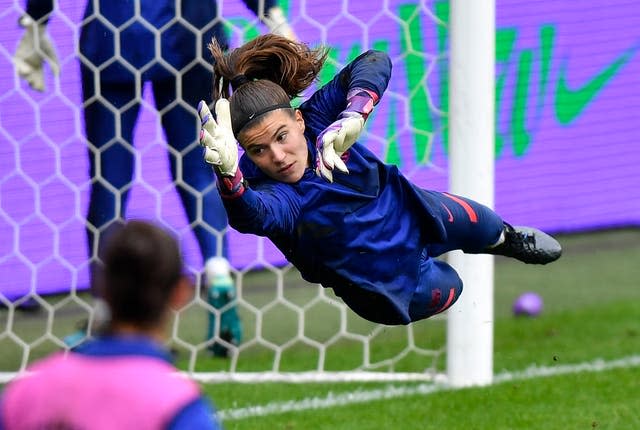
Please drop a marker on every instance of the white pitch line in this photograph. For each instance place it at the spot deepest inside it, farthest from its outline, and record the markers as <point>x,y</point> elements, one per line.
<point>395,391</point>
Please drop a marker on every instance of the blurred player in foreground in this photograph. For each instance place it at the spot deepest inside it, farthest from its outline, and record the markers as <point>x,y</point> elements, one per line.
<point>340,215</point>
<point>123,379</point>
<point>175,65</point>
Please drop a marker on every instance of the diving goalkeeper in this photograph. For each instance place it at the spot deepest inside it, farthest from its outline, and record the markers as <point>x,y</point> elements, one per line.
<point>344,218</point>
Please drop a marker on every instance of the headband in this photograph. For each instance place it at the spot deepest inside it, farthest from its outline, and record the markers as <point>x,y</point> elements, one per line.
<point>257,114</point>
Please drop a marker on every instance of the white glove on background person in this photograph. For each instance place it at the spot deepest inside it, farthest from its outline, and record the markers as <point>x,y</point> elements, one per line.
<point>277,23</point>
<point>35,48</point>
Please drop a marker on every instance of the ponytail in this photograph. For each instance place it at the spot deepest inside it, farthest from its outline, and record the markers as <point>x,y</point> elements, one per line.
<point>292,65</point>
<point>263,74</point>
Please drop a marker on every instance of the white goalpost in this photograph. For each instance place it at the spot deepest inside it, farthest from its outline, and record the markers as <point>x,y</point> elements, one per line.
<point>293,331</point>
<point>471,122</point>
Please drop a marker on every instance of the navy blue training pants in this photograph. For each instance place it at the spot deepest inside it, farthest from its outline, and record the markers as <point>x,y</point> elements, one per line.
<point>470,227</point>
<point>110,120</point>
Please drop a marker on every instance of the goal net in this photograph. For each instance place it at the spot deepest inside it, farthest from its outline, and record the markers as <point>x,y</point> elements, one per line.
<point>292,330</point>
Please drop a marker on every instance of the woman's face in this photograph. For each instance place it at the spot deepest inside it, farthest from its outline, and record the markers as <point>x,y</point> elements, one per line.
<point>277,145</point>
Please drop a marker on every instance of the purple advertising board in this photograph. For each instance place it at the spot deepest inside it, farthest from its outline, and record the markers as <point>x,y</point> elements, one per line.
<point>567,115</point>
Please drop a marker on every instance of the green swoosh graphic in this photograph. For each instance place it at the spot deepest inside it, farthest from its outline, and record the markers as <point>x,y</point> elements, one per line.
<point>570,103</point>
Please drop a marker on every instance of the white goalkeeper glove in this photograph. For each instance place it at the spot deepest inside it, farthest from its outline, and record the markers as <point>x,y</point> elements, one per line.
<point>277,23</point>
<point>221,147</point>
<point>35,48</point>
<point>336,139</point>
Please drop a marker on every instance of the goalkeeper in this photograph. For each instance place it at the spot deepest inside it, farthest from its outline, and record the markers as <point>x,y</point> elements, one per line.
<point>123,379</point>
<point>345,219</point>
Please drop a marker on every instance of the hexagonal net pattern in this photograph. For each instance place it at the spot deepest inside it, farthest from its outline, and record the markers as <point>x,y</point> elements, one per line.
<point>53,165</point>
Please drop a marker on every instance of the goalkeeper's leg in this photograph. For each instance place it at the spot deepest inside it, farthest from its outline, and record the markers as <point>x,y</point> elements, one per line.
<point>526,244</point>
<point>476,229</point>
<point>439,288</point>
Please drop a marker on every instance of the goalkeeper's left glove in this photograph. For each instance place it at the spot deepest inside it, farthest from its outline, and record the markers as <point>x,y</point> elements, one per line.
<point>336,139</point>
<point>277,23</point>
<point>34,49</point>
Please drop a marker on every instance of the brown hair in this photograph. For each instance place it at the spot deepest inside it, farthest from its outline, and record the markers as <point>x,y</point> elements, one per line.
<point>142,267</point>
<point>263,74</point>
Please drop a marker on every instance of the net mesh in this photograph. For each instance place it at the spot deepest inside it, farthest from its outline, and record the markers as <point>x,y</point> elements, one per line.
<point>288,324</point>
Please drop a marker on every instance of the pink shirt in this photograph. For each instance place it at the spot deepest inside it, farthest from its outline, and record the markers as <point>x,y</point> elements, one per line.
<point>81,392</point>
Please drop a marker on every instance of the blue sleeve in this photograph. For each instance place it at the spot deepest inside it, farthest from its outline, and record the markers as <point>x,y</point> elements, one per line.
<point>370,70</point>
<point>1,420</point>
<point>271,211</point>
<point>254,5</point>
<point>36,9</point>
<point>196,415</point>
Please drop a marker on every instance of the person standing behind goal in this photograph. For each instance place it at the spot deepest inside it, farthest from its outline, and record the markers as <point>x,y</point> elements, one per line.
<point>112,96</point>
<point>123,379</point>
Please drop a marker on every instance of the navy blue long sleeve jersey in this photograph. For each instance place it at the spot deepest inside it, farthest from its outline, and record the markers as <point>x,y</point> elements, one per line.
<point>367,229</point>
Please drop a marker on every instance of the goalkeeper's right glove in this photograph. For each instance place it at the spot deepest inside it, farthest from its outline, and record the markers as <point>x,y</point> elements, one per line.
<point>221,148</point>
<point>34,49</point>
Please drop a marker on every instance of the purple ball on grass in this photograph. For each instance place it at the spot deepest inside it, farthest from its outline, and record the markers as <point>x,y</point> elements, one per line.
<point>528,304</point>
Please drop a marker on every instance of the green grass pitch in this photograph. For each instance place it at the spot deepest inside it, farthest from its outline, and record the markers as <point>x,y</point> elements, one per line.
<point>592,312</point>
